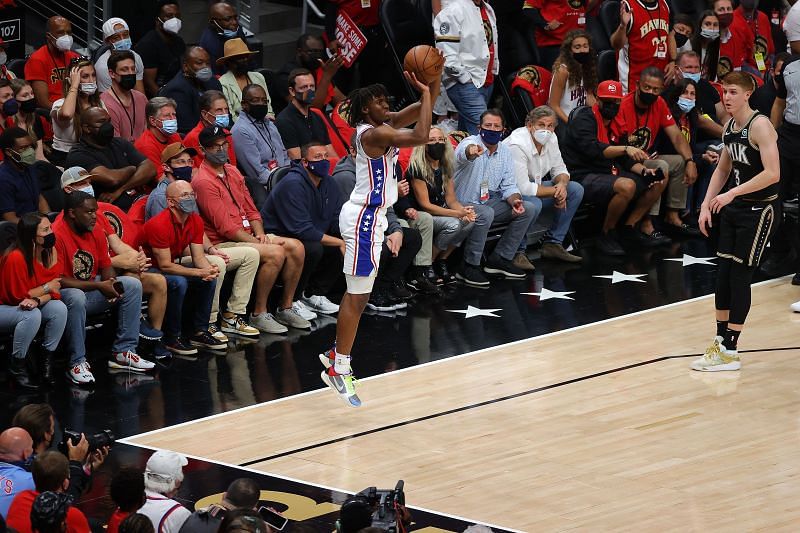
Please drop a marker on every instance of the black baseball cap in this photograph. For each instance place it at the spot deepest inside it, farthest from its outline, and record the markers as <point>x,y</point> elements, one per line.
<point>211,134</point>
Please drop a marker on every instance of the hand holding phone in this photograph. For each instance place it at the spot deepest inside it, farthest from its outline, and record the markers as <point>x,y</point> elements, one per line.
<point>273,519</point>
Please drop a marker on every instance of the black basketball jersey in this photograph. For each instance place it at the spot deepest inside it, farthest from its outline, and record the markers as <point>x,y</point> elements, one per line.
<point>746,160</point>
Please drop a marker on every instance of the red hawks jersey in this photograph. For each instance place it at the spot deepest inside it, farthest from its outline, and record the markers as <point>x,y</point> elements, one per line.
<point>647,40</point>
<point>571,14</point>
<point>633,128</point>
<point>735,49</point>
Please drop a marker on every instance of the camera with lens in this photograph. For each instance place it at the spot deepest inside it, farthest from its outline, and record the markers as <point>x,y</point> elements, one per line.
<point>96,441</point>
<point>383,509</point>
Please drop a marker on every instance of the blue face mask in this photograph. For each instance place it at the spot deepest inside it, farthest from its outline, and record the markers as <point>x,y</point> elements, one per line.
<point>321,169</point>
<point>685,104</point>
<point>169,126</point>
<point>88,190</point>
<point>230,34</point>
<point>182,173</point>
<point>124,44</point>
<point>223,121</point>
<point>491,137</point>
<point>694,76</point>
<point>11,107</point>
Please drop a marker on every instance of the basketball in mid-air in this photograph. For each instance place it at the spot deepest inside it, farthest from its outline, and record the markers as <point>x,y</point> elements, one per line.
<point>425,62</point>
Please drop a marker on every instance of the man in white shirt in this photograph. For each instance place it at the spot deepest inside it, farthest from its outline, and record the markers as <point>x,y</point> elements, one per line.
<point>163,476</point>
<point>543,180</point>
<point>117,36</point>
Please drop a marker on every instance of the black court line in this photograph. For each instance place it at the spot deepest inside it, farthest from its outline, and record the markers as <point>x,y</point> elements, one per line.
<point>494,400</point>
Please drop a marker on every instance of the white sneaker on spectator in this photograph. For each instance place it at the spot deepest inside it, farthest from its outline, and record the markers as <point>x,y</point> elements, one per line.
<point>81,374</point>
<point>238,326</point>
<point>300,308</point>
<point>215,332</point>
<point>266,323</point>
<point>795,307</point>
<point>290,318</point>
<point>129,361</point>
<point>320,304</point>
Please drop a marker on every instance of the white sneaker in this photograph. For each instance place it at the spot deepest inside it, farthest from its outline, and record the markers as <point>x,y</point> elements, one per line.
<point>290,317</point>
<point>215,332</point>
<point>300,308</point>
<point>238,326</point>
<point>717,358</point>
<point>129,361</point>
<point>81,374</point>
<point>795,307</point>
<point>266,322</point>
<point>320,304</point>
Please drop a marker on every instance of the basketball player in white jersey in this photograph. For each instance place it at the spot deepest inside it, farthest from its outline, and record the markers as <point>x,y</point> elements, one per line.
<point>744,192</point>
<point>362,220</point>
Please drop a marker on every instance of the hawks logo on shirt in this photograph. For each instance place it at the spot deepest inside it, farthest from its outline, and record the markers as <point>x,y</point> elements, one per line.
<point>487,28</point>
<point>575,3</point>
<point>57,74</point>
<point>530,74</point>
<point>760,46</point>
<point>82,265</point>
<point>344,110</point>
<point>116,223</point>
<point>724,67</point>
<point>640,138</point>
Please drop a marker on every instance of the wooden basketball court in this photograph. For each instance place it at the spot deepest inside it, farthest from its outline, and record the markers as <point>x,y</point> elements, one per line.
<point>601,427</point>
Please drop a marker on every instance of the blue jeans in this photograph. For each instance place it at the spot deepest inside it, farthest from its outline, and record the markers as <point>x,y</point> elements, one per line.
<point>497,210</point>
<point>25,325</point>
<point>562,218</point>
<point>80,304</point>
<point>176,292</point>
<point>470,101</point>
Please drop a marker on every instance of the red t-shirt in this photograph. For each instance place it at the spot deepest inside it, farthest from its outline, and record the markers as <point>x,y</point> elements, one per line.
<point>116,518</point>
<point>164,231</point>
<point>761,30</point>
<point>362,16</point>
<point>640,129</point>
<point>19,515</point>
<point>192,140</point>
<point>487,27</point>
<point>49,68</point>
<point>81,256</point>
<point>570,13</point>
<point>736,50</point>
<point>15,281</point>
<point>151,148</point>
<point>121,224</point>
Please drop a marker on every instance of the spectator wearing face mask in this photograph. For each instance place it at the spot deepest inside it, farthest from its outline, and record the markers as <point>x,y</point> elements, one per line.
<point>177,162</point>
<point>118,169</point>
<point>185,88</point>
<point>682,31</point>
<point>162,47</point>
<point>16,449</point>
<point>708,101</point>
<point>125,104</point>
<point>574,75</point>
<point>735,41</point>
<point>5,72</point>
<point>162,130</point>
<point>80,92</point>
<point>46,68</point>
<point>298,124</point>
<point>310,55</point>
<point>223,25</point>
<point>19,188</point>
<point>118,37</point>
<point>237,60</point>
<point>706,44</point>
<point>28,119</point>
<point>214,111</point>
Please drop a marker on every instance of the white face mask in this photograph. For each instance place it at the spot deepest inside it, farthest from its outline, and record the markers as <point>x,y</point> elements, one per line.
<point>88,190</point>
<point>64,43</point>
<point>88,88</point>
<point>172,25</point>
<point>3,58</point>
<point>542,136</point>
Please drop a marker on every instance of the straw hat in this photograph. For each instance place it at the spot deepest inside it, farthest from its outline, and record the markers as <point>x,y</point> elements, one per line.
<point>234,48</point>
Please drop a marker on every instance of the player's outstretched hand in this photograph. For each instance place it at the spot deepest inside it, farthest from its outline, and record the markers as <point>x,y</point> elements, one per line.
<point>412,79</point>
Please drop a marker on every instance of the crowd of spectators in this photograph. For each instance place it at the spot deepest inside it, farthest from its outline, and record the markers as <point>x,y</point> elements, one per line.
<point>182,165</point>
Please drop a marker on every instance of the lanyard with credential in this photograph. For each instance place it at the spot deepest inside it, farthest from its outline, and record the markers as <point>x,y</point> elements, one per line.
<point>266,138</point>
<point>230,192</point>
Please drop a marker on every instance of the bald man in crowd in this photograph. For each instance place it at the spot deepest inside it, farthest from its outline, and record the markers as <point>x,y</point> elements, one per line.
<point>46,68</point>
<point>16,447</point>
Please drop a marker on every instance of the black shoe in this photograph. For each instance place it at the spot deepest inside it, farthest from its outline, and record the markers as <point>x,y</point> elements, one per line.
<point>658,238</point>
<point>399,291</point>
<point>422,283</point>
<point>796,279</point>
<point>18,368</point>
<point>178,346</point>
<point>607,244</point>
<point>379,301</point>
<point>684,230</point>
<point>497,265</point>
<point>636,239</point>
<point>46,368</point>
<point>443,273</point>
<point>206,340</point>
<point>472,275</point>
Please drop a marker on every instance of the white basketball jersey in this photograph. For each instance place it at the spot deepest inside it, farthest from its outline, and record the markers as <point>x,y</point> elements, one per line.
<point>376,184</point>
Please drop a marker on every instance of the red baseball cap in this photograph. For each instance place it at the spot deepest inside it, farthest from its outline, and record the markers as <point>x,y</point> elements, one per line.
<point>609,89</point>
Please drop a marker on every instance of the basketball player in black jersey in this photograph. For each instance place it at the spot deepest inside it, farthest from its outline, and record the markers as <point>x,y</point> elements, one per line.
<point>748,173</point>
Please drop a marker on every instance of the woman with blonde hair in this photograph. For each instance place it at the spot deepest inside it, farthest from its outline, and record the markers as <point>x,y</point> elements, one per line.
<point>574,75</point>
<point>430,173</point>
<point>80,92</point>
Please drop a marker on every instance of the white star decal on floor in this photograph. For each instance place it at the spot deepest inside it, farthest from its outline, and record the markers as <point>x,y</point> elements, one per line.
<point>471,311</point>
<point>617,277</point>
<point>687,260</point>
<point>547,294</point>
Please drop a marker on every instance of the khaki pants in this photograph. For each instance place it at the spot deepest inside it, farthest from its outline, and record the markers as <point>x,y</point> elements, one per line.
<point>244,260</point>
<point>674,167</point>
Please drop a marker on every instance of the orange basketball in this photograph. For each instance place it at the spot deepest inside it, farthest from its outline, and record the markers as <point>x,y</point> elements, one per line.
<point>424,61</point>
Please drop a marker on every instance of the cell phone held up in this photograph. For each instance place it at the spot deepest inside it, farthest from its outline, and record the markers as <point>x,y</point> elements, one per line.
<point>272,518</point>
<point>653,175</point>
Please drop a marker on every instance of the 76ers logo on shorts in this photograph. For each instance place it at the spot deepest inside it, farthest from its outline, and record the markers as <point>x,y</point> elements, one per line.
<point>640,138</point>
<point>82,265</point>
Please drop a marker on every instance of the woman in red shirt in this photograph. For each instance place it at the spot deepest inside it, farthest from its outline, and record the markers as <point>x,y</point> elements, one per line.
<point>30,297</point>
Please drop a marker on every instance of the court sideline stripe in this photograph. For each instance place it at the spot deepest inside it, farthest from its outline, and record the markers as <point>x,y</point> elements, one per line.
<point>129,439</point>
<point>489,402</point>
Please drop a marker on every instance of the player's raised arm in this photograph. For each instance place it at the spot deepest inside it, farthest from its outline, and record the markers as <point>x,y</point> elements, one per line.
<point>388,135</point>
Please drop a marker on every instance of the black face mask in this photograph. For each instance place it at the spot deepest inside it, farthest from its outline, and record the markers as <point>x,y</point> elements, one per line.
<point>49,241</point>
<point>680,39</point>
<point>609,110</point>
<point>647,99</point>
<point>127,81</point>
<point>258,111</point>
<point>310,60</point>
<point>27,106</point>
<point>104,134</point>
<point>435,151</point>
<point>581,57</point>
